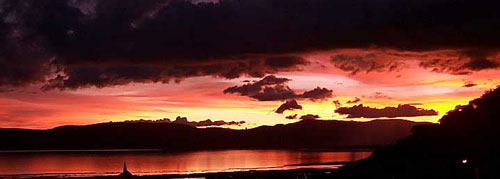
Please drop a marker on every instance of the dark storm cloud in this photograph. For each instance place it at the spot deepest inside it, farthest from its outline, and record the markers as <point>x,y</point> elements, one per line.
<point>120,74</point>
<point>293,116</point>
<point>467,62</point>
<point>272,88</point>
<point>337,103</point>
<point>255,87</point>
<point>402,110</point>
<point>288,105</point>
<point>110,42</point>
<point>317,93</point>
<point>364,63</point>
<point>468,84</point>
<point>78,43</point>
<point>456,61</point>
<point>354,101</point>
<point>309,117</point>
<point>481,60</point>
<point>275,93</point>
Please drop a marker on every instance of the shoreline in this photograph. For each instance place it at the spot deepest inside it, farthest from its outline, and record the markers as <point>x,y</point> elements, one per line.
<point>294,171</point>
<point>263,174</point>
<point>272,173</point>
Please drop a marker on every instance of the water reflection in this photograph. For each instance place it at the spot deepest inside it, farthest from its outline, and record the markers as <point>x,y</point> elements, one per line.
<point>148,162</point>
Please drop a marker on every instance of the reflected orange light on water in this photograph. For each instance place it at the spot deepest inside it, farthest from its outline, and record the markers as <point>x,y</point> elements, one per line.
<point>143,163</point>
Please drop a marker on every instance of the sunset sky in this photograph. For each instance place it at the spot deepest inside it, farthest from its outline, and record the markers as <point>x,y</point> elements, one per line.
<point>83,62</point>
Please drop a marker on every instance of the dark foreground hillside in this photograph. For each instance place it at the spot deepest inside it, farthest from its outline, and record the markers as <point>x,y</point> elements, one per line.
<point>466,144</point>
<point>306,134</point>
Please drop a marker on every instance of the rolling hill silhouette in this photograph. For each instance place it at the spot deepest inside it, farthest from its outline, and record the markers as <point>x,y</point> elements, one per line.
<point>305,134</point>
<point>466,144</point>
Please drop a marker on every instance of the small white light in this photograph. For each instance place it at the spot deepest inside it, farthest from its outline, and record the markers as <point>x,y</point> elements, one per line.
<point>464,161</point>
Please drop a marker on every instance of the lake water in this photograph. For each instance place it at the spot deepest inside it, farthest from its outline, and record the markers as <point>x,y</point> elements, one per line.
<point>91,163</point>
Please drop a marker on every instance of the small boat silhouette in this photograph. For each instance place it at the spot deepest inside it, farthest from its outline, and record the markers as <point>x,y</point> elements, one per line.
<point>125,174</point>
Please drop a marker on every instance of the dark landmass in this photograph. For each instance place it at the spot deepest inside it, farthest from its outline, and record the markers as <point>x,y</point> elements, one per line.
<point>306,134</point>
<point>466,144</point>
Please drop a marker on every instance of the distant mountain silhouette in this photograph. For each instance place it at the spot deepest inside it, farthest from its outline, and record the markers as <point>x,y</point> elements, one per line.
<point>466,144</point>
<point>306,134</point>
